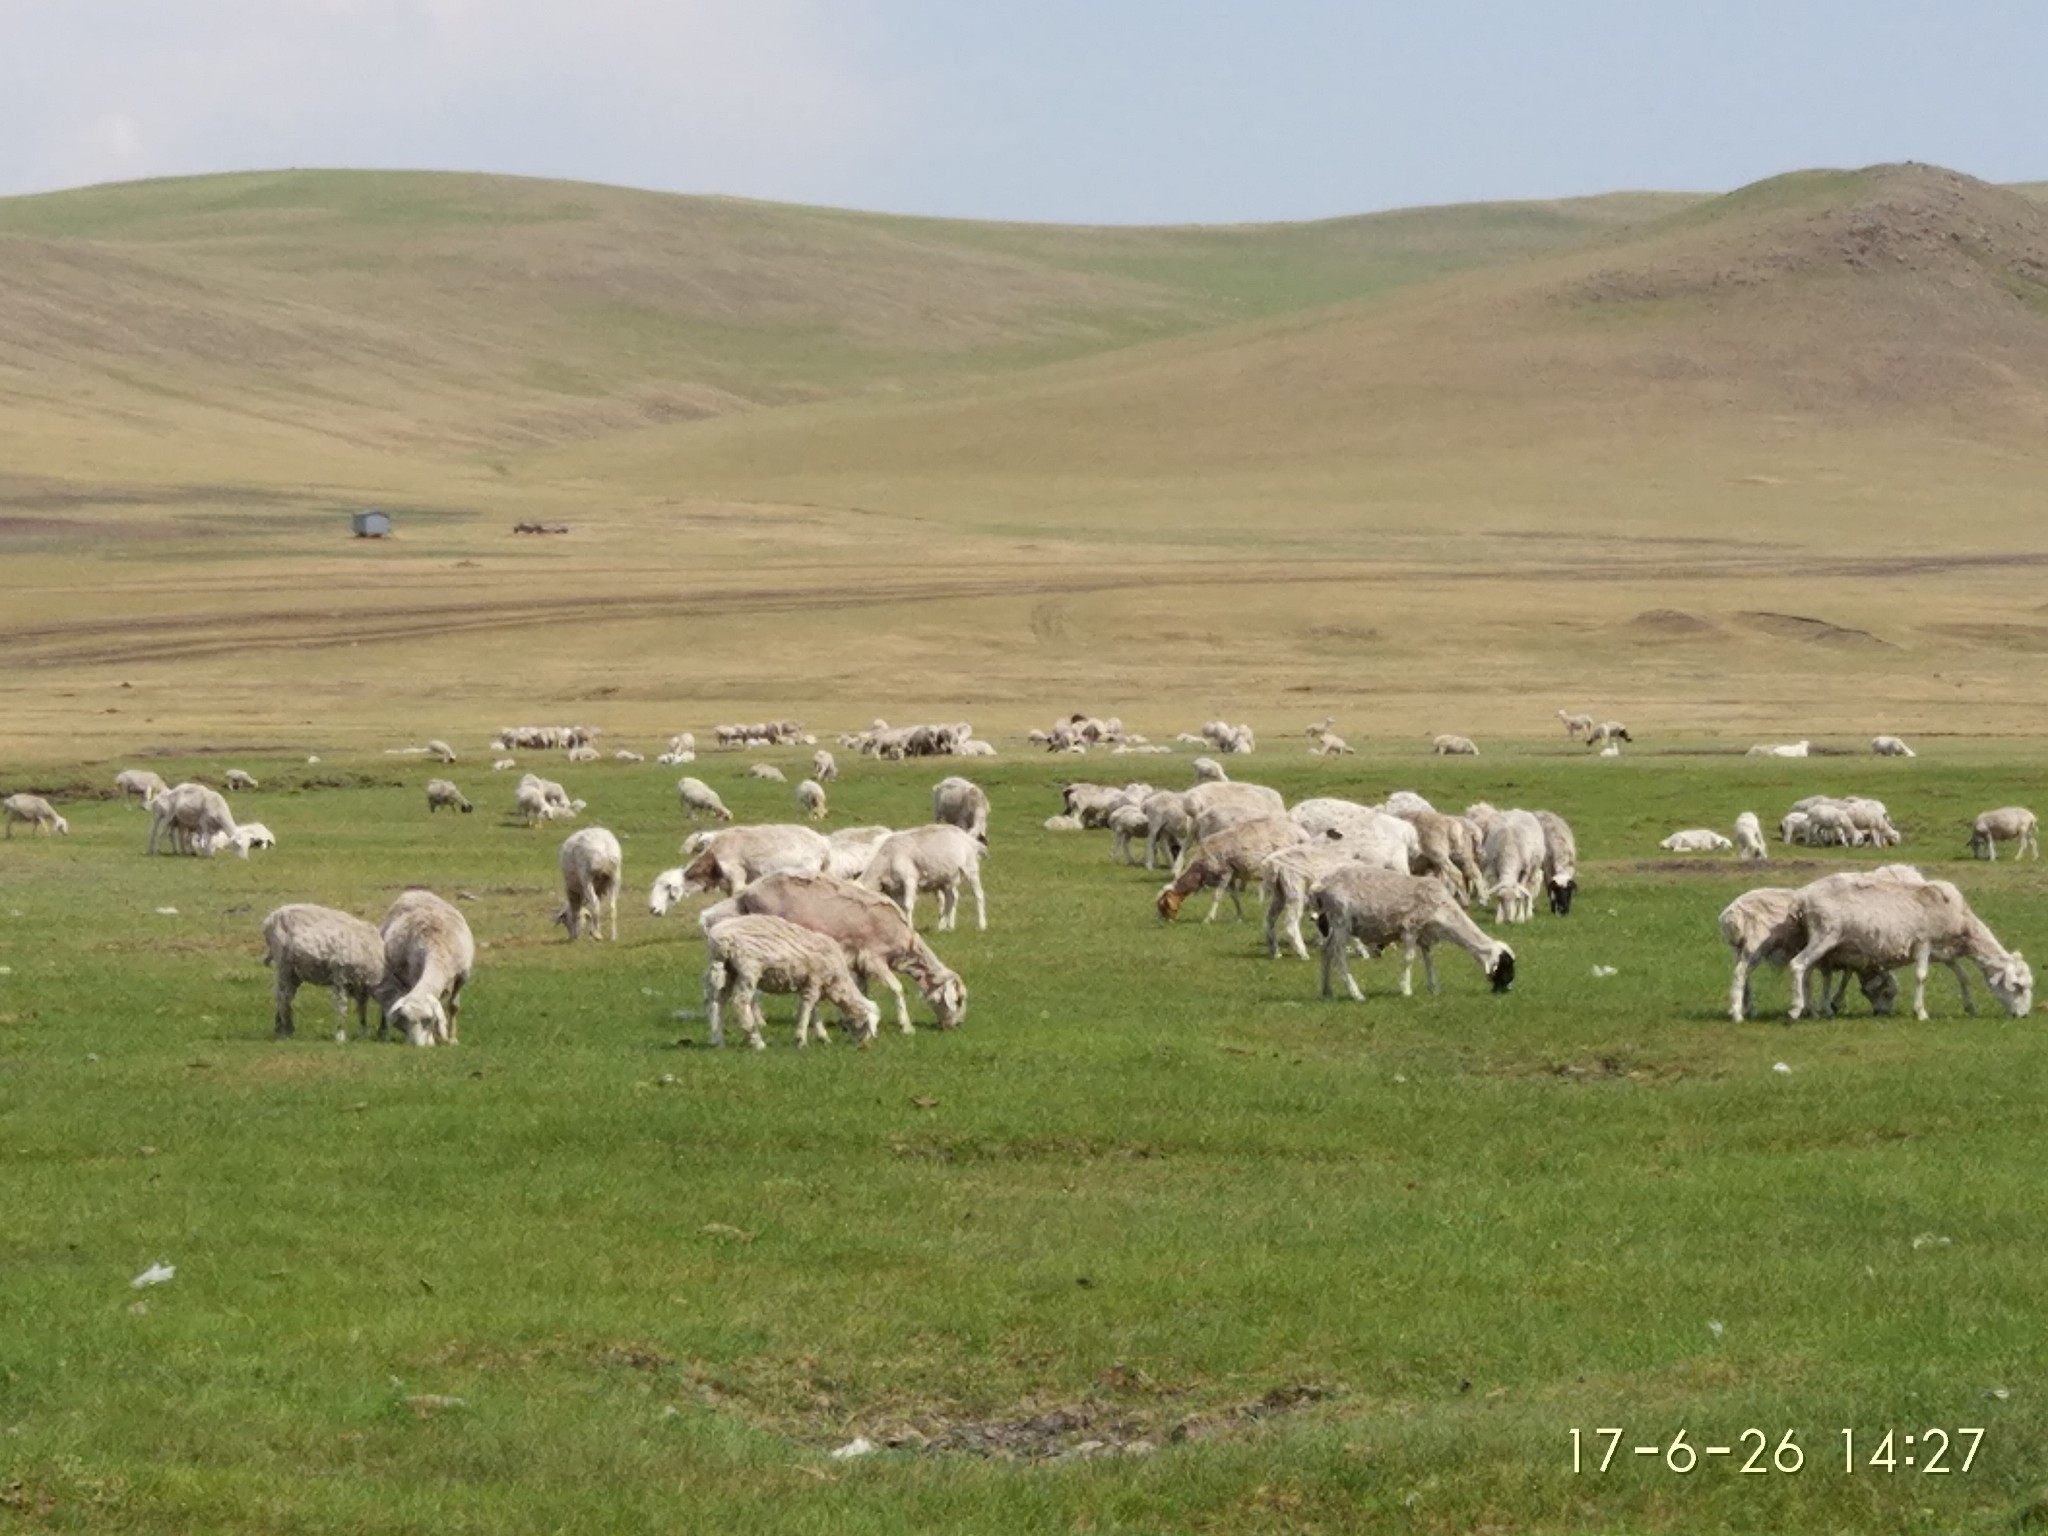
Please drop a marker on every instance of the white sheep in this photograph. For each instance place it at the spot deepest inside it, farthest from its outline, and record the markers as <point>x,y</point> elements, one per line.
<point>1696,840</point>
<point>1378,908</point>
<point>1765,927</point>
<point>1575,726</point>
<point>930,858</point>
<point>429,954</point>
<point>700,799</point>
<point>962,803</point>
<point>195,817</point>
<point>1212,807</point>
<point>1063,823</point>
<point>1167,830</point>
<point>1453,746</point>
<point>583,752</point>
<point>237,779</point>
<point>1787,749</point>
<point>850,850</point>
<point>748,955</point>
<point>1208,770</point>
<point>810,799</point>
<point>1329,744</point>
<point>34,811</point>
<point>732,858</point>
<point>1287,877</point>
<point>824,768</point>
<point>503,763</point>
<point>326,948</point>
<point>628,755</point>
<point>1560,861</point>
<point>444,793</point>
<point>2009,822</point>
<point>767,771</point>
<point>1887,924</point>
<point>1405,802</point>
<point>140,785</point>
<point>247,835</point>
<point>440,749</point>
<point>876,937</point>
<point>1890,746</point>
<point>592,869</point>
<point>1229,860</point>
<point>1749,837</point>
<point>1608,733</point>
<point>1512,858</point>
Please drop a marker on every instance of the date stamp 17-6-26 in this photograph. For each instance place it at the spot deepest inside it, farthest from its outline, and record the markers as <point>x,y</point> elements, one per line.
<point>1929,1451</point>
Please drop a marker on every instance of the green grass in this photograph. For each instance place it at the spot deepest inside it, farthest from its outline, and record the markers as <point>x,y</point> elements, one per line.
<point>1154,1181</point>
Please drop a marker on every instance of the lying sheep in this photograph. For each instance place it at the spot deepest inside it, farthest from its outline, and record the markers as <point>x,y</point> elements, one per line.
<point>34,811</point>
<point>2012,822</point>
<point>767,771</point>
<point>810,799</point>
<point>700,799</point>
<point>936,858</point>
<point>1696,840</point>
<point>592,869</point>
<point>749,955</point>
<point>583,753</point>
<point>1453,746</point>
<point>1379,908</point>
<point>876,937</point>
<point>428,957</point>
<point>443,793</point>
<point>140,785</point>
<point>1789,749</point>
<point>305,943</point>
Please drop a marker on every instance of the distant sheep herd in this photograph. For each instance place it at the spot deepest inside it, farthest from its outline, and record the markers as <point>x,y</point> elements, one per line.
<point>824,917</point>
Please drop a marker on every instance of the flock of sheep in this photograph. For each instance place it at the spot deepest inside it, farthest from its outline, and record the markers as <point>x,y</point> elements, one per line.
<point>824,917</point>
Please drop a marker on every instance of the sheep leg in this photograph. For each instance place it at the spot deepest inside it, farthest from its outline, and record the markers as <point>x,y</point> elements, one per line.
<point>746,1003</point>
<point>1738,990</point>
<point>1962,985</point>
<point>1816,950</point>
<point>948,896</point>
<point>1429,970</point>
<point>973,873</point>
<point>714,987</point>
<point>287,988</point>
<point>1276,900</point>
<point>1408,968</point>
<point>909,903</point>
<point>1216,901</point>
<point>454,1008</point>
<point>807,1002</point>
<point>1235,887</point>
<point>1921,952</point>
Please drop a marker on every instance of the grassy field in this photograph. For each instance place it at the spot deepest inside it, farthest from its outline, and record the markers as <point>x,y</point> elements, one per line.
<point>1286,1264</point>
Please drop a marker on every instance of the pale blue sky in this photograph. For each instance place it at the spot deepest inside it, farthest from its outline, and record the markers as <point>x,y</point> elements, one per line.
<point>1129,111</point>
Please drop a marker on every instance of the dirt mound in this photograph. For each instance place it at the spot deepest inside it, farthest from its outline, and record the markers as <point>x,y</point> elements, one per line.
<point>1797,626</point>
<point>1670,624</point>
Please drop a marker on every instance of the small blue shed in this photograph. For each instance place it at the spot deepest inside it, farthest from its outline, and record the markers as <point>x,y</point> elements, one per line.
<point>371,524</point>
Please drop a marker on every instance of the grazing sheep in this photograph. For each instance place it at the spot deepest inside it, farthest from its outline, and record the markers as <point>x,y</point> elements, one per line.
<point>1575,726</point>
<point>1329,744</point>
<point>1390,842</point>
<point>733,858</point>
<point>767,771</point>
<point>1093,803</point>
<point>1447,847</point>
<point>700,799</point>
<point>440,749</point>
<point>194,816</point>
<point>1765,927</point>
<point>1288,876</point>
<point>305,943</point>
<point>1749,837</point>
<point>443,792</point>
<point>962,803</point>
<point>851,849</point>
<point>930,858</point>
<point>35,811</point>
<point>592,862</point>
<point>1887,924</point>
<point>749,955</point>
<point>1513,858</point>
<point>2010,822</point>
<point>1608,732</point>
<point>877,938</point>
<point>139,784</point>
<point>1128,822</point>
<point>810,799</point>
<point>1167,829</point>
<point>1378,907</point>
<point>1696,840</point>
<point>428,957</point>
<point>1229,860</point>
<point>1208,770</point>
<point>1560,861</point>
<point>1405,802</point>
<point>503,763</point>
<point>1453,746</point>
<point>237,779</point>
<point>1890,746</point>
<point>1212,807</point>
<point>823,766</point>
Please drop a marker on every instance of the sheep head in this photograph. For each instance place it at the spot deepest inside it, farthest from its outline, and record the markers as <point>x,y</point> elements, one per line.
<point>666,892</point>
<point>423,1019</point>
<point>2012,983</point>
<point>1502,973</point>
<point>1562,890</point>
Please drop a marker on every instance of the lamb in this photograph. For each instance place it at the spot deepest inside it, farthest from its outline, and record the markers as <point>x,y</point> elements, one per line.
<point>1560,861</point>
<point>1513,860</point>
<point>1378,908</point>
<point>550,799</point>
<point>1453,746</point>
<point>194,816</point>
<point>1575,726</point>
<point>876,937</point>
<point>734,858</point>
<point>1608,732</point>
<point>975,747</point>
<point>1208,770</point>
<point>428,957</point>
<point>1749,837</point>
<point>1328,744</point>
<point>305,943</point>
<point>748,955</point>
<point>1128,822</point>
<point>1890,746</point>
<point>962,803</point>
<point>767,771</point>
<point>1063,823</point>
<point>238,779</point>
<point>1166,828</point>
<point>824,767</point>
<point>1092,803</point>
<point>1795,827</point>
<point>1212,807</point>
<point>1229,860</point>
<point>1228,739</point>
<point>247,835</point>
<point>34,811</point>
<point>1696,840</point>
<point>443,792</point>
<point>2009,822</point>
<point>140,784</point>
<point>1828,824</point>
<point>1886,924</point>
<point>592,862</point>
<point>700,799</point>
<point>930,858</point>
<point>810,799</point>
<point>851,849</point>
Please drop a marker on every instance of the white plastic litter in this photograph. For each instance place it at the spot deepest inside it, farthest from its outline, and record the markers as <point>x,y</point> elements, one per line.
<point>166,911</point>
<point>1716,1329</point>
<point>1605,970</point>
<point>859,1445</point>
<point>157,1274</point>
<point>1932,1240</point>
<point>1780,1066</point>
